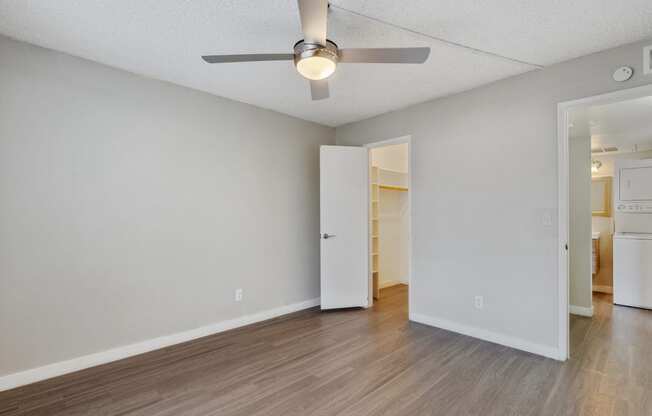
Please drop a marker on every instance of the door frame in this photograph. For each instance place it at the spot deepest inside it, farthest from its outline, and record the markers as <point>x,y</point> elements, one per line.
<point>563,174</point>
<point>398,140</point>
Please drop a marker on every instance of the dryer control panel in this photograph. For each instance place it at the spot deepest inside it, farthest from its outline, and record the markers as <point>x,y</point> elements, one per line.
<point>634,207</point>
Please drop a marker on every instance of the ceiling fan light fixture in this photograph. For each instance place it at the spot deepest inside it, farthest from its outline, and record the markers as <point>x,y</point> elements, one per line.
<point>316,68</point>
<point>315,62</point>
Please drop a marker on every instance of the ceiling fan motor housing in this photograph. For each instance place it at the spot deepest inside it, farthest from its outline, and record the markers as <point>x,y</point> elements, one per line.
<point>306,50</point>
<point>303,51</point>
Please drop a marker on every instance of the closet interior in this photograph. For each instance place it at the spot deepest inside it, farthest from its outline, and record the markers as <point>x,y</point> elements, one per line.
<point>389,217</point>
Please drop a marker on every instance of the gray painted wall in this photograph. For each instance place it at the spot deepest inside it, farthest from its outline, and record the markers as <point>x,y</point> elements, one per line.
<point>485,174</point>
<point>132,208</point>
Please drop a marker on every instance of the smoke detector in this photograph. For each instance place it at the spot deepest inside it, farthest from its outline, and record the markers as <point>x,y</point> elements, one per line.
<point>623,74</point>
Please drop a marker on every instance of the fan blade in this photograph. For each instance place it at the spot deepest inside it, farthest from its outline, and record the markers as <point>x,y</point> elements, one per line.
<point>221,59</point>
<point>314,20</point>
<point>319,89</point>
<point>385,55</point>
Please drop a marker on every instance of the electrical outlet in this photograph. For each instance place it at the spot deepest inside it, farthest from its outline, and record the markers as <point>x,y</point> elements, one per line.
<point>238,295</point>
<point>479,302</point>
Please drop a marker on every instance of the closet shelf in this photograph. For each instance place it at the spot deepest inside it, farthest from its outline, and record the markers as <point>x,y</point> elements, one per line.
<point>393,187</point>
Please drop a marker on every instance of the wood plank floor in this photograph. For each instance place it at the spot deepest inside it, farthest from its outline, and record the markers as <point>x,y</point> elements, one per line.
<point>364,362</point>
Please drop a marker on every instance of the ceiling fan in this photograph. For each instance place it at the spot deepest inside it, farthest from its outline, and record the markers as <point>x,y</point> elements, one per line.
<point>316,57</point>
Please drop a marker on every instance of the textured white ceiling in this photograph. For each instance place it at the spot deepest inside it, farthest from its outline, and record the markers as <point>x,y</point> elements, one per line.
<point>622,124</point>
<point>537,31</point>
<point>164,39</point>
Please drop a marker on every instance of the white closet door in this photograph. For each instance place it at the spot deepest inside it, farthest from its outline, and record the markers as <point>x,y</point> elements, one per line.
<point>344,226</point>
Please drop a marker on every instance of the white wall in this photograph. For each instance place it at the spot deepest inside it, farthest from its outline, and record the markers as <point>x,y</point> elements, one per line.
<point>393,157</point>
<point>608,161</point>
<point>133,208</point>
<point>580,277</point>
<point>393,237</point>
<point>484,174</point>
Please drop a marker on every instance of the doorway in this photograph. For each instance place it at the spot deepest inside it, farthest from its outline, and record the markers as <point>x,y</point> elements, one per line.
<point>366,224</point>
<point>596,135</point>
<point>389,217</point>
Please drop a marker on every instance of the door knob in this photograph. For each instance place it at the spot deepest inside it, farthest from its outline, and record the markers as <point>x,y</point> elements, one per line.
<point>327,236</point>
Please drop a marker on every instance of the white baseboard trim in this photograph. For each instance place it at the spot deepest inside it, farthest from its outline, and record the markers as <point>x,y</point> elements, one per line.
<point>486,335</point>
<point>580,310</point>
<point>603,289</point>
<point>22,378</point>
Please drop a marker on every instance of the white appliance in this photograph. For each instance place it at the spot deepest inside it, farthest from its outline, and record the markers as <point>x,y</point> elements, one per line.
<point>632,243</point>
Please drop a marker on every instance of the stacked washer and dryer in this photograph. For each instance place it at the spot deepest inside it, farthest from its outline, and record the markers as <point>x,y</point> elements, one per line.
<point>632,241</point>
